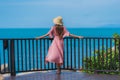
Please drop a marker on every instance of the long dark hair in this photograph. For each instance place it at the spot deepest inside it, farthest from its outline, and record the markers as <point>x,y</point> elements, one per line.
<point>60,30</point>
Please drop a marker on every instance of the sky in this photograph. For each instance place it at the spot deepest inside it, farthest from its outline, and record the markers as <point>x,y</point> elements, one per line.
<point>75,13</point>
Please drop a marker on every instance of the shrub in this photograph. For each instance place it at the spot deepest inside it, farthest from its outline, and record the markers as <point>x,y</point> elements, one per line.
<point>104,61</point>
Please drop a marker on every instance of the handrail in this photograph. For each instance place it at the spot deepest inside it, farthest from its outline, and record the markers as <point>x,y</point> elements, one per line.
<point>63,38</point>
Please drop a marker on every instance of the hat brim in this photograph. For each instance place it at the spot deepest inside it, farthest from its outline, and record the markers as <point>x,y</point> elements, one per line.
<point>58,21</point>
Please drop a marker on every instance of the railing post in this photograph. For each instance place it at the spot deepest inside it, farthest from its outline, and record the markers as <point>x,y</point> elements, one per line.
<point>119,54</point>
<point>12,58</point>
<point>5,42</point>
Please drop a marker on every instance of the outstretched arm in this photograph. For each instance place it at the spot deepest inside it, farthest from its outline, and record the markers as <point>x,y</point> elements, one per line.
<point>75,36</point>
<point>42,36</point>
<point>48,34</point>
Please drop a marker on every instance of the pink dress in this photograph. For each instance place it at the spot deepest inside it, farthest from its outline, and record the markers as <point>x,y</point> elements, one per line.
<point>55,51</point>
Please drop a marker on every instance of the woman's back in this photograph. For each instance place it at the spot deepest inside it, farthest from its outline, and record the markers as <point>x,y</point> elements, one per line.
<point>59,31</point>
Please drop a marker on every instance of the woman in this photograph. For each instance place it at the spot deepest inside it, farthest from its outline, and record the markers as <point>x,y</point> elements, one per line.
<point>55,52</point>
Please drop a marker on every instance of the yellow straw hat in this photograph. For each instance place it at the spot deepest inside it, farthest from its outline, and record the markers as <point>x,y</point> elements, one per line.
<point>58,20</point>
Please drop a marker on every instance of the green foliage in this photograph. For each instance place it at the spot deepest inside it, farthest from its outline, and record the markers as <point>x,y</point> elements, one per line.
<point>104,60</point>
<point>117,36</point>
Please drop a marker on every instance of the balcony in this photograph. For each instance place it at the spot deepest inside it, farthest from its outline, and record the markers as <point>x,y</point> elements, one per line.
<point>90,58</point>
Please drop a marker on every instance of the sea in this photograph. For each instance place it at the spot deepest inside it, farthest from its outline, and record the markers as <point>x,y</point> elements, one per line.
<point>35,32</point>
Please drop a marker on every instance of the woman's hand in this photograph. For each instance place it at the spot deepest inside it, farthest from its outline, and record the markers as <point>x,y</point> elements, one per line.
<point>80,37</point>
<point>39,37</point>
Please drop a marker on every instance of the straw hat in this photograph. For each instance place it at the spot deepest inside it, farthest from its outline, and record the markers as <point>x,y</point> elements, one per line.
<point>58,20</point>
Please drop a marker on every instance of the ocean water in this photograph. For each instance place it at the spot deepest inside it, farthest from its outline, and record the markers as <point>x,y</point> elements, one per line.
<point>35,32</point>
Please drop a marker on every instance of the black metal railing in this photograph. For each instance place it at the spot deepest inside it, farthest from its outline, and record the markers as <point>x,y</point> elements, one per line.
<point>89,54</point>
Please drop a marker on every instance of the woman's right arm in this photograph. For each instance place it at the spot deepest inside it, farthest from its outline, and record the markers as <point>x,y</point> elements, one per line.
<point>67,33</point>
<point>75,36</point>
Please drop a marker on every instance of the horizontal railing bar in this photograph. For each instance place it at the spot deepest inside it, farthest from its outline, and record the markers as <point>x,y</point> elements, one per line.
<point>52,38</point>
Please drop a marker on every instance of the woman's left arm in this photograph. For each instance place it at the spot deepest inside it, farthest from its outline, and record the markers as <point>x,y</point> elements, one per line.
<point>48,34</point>
<point>42,36</point>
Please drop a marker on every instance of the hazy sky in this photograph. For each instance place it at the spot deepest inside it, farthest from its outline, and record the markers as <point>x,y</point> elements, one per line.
<point>75,13</point>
